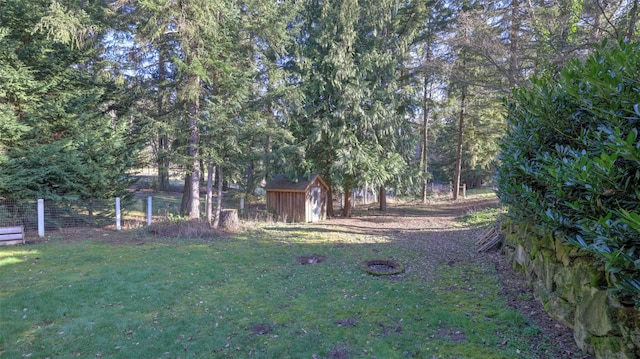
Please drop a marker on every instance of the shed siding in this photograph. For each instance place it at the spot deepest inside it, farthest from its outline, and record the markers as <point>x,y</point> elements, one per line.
<point>293,202</point>
<point>289,206</point>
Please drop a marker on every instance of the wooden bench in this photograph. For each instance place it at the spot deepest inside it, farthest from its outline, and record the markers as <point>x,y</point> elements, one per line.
<point>11,235</point>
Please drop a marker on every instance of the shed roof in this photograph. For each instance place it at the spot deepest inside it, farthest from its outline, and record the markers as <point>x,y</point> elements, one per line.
<point>283,184</point>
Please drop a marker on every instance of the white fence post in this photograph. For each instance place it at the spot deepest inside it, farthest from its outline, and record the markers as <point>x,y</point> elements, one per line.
<point>40,217</point>
<point>149,209</point>
<point>241,203</point>
<point>118,219</point>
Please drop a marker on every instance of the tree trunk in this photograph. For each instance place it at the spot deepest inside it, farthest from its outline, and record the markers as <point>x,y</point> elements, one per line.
<point>209,205</point>
<point>458,169</point>
<point>194,204</point>
<point>426,99</point>
<point>163,138</point>
<point>185,205</point>
<point>514,30</point>
<point>194,210</point>
<point>202,172</point>
<point>478,182</point>
<point>424,159</point>
<point>251,185</point>
<point>632,21</point>
<point>216,221</point>
<point>596,29</point>
<point>163,162</point>
<point>383,198</point>
<point>268,163</point>
<point>327,180</point>
<point>346,210</point>
<point>365,194</point>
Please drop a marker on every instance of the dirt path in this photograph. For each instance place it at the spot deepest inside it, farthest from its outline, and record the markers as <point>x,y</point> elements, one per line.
<point>435,231</point>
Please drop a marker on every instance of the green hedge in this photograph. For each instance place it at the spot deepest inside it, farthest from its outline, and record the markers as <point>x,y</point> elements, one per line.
<point>571,160</point>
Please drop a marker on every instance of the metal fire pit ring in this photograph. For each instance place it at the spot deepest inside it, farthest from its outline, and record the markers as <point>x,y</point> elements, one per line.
<point>381,267</point>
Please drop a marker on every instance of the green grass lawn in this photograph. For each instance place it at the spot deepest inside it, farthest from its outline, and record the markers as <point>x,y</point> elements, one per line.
<point>248,297</point>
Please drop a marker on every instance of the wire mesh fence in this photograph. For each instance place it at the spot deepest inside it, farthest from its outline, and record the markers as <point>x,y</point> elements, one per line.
<point>19,213</point>
<point>93,213</point>
<point>70,214</point>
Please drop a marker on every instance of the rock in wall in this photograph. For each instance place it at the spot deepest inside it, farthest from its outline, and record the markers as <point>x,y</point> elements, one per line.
<point>573,289</point>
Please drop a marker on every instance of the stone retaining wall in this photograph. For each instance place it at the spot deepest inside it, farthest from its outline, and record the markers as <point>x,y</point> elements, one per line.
<point>573,290</point>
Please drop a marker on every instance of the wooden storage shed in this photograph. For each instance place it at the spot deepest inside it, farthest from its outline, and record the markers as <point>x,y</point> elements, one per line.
<point>304,200</point>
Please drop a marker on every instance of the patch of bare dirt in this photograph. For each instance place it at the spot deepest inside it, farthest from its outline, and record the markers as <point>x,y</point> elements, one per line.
<point>261,329</point>
<point>452,335</point>
<point>312,259</point>
<point>386,329</point>
<point>345,323</point>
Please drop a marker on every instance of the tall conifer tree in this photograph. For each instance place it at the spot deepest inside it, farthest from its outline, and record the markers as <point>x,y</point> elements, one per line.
<point>353,122</point>
<point>65,134</point>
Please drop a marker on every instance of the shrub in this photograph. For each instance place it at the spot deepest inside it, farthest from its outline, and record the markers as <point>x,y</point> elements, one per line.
<point>571,160</point>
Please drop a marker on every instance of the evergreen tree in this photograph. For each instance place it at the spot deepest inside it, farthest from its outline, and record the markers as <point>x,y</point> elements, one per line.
<point>207,57</point>
<point>197,41</point>
<point>427,73</point>
<point>65,132</point>
<point>352,122</point>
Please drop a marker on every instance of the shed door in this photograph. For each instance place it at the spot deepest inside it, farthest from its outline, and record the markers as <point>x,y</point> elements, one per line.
<point>316,204</point>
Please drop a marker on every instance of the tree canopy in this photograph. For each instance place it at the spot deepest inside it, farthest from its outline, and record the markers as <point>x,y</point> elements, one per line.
<point>380,94</point>
<point>63,118</point>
